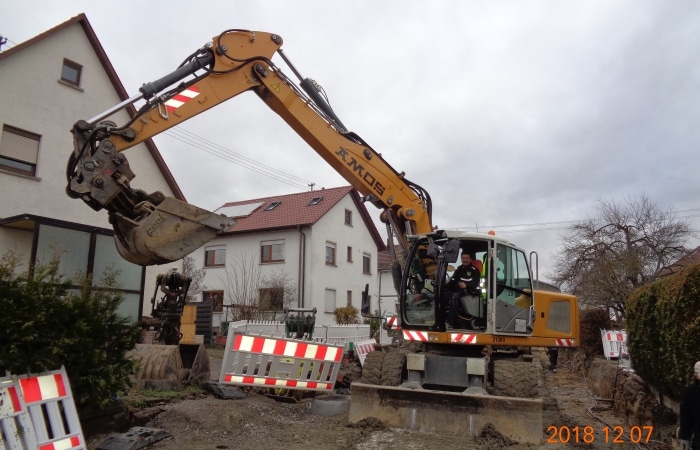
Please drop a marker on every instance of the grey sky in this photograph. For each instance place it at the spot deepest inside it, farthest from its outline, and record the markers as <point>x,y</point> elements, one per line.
<point>507,112</point>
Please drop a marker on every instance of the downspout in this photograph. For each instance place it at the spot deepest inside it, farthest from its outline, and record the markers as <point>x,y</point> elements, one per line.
<point>301,276</point>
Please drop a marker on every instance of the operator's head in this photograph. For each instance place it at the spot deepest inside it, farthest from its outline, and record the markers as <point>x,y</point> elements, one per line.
<point>466,258</point>
<point>697,370</point>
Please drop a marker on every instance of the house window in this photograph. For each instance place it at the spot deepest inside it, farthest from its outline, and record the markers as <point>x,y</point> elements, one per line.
<point>215,256</point>
<point>19,150</point>
<point>216,298</point>
<point>272,251</point>
<point>348,217</point>
<point>329,304</point>
<point>330,253</point>
<point>366,263</point>
<point>315,201</point>
<point>349,254</point>
<point>70,73</point>
<point>349,298</point>
<point>271,298</point>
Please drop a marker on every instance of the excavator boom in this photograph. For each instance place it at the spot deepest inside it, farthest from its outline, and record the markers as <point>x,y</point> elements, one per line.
<point>154,229</point>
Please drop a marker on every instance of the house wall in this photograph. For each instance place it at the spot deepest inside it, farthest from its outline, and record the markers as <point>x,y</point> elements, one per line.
<point>345,275</point>
<point>33,99</point>
<point>309,245</point>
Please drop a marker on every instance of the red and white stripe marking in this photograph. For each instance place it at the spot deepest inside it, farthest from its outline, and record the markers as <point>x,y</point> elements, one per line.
<point>291,349</point>
<point>463,338</point>
<point>181,98</point>
<point>421,336</point>
<point>565,342</point>
<point>392,323</point>
<point>276,382</point>
<point>9,402</point>
<point>62,444</point>
<point>46,387</point>
<point>615,337</point>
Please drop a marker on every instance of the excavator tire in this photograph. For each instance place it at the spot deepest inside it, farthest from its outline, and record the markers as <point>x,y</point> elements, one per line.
<point>372,368</point>
<point>392,368</point>
<point>515,379</point>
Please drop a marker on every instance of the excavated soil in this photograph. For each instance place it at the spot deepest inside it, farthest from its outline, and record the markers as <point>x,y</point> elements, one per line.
<point>257,421</point>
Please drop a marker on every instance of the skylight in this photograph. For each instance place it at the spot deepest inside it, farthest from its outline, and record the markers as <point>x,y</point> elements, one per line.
<point>238,210</point>
<point>272,206</point>
<point>315,201</point>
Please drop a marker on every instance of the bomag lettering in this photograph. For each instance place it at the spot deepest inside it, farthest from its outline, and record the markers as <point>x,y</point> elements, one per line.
<point>363,173</point>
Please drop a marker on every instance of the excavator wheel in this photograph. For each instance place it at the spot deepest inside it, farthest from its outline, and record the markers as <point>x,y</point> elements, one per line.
<point>515,379</point>
<point>392,368</point>
<point>372,368</point>
<point>385,369</point>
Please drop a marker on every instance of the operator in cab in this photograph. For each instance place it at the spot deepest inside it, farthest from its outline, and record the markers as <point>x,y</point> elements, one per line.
<point>465,280</point>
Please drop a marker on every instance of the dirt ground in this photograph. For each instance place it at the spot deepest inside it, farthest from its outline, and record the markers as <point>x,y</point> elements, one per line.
<point>257,421</point>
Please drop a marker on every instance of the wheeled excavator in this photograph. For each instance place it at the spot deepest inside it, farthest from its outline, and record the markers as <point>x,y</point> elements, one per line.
<point>455,375</point>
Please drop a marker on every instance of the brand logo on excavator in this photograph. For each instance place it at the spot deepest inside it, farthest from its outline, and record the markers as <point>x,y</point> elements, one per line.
<point>358,168</point>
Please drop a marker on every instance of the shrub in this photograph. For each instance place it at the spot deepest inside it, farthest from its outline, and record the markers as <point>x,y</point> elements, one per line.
<point>663,329</point>
<point>45,324</point>
<point>346,315</point>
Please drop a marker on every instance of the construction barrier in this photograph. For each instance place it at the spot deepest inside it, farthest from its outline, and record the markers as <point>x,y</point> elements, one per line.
<point>260,361</point>
<point>614,343</point>
<point>364,347</point>
<point>38,412</point>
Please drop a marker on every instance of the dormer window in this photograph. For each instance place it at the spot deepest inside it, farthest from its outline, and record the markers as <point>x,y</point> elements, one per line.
<point>315,201</point>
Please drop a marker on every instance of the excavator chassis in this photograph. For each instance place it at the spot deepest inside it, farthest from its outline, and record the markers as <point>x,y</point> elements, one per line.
<point>519,419</point>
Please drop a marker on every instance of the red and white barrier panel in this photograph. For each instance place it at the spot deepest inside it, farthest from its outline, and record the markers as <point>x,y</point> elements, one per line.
<point>364,347</point>
<point>42,407</point>
<point>614,343</point>
<point>261,361</point>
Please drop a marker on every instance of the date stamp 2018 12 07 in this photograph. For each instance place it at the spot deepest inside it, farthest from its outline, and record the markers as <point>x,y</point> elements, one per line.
<point>618,434</point>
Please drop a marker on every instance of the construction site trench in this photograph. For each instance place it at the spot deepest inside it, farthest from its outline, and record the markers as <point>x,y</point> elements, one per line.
<point>605,408</point>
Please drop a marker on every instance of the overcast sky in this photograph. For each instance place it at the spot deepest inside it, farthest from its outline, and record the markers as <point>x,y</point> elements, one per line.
<point>514,115</point>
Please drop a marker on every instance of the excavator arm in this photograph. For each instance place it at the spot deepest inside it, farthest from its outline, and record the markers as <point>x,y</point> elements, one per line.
<point>154,229</point>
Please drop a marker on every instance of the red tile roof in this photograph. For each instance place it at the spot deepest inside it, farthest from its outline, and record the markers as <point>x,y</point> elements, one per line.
<point>294,211</point>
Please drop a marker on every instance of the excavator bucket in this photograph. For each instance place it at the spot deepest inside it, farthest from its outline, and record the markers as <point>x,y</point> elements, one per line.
<point>170,367</point>
<point>168,232</point>
<point>519,419</point>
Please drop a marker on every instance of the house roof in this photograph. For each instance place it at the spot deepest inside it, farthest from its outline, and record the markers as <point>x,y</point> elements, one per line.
<point>293,211</point>
<point>691,259</point>
<point>82,20</point>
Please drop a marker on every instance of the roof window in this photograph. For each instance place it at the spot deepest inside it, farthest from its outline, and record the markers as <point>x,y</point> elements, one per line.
<point>272,206</point>
<point>315,201</point>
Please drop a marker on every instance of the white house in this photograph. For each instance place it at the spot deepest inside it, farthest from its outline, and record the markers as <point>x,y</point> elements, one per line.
<point>322,244</point>
<point>48,83</point>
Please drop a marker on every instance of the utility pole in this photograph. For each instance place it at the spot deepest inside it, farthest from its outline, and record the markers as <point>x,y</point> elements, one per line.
<point>311,186</point>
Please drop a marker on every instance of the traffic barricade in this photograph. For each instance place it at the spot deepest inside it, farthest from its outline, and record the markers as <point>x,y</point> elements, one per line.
<point>614,343</point>
<point>364,347</point>
<point>269,362</point>
<point>16,429</point>
<point>42,406</point>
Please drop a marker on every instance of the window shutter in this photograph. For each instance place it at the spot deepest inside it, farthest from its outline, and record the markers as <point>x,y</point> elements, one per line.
<point>18,146</point>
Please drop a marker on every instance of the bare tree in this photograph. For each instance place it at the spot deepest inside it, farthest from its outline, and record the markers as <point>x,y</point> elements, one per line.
<point>627,245</point>
<point>243,281</point>
<point>277,291</point>
<point>189,269</point>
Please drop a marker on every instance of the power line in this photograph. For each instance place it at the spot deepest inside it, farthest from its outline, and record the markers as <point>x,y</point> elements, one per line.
<point>224,153</point>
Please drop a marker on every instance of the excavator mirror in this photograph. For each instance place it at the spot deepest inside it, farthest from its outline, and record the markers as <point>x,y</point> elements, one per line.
<point>364,309</point>
<point>451,251</point>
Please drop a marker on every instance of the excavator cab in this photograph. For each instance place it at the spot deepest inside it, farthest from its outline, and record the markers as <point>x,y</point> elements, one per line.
<point>431,302</point>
